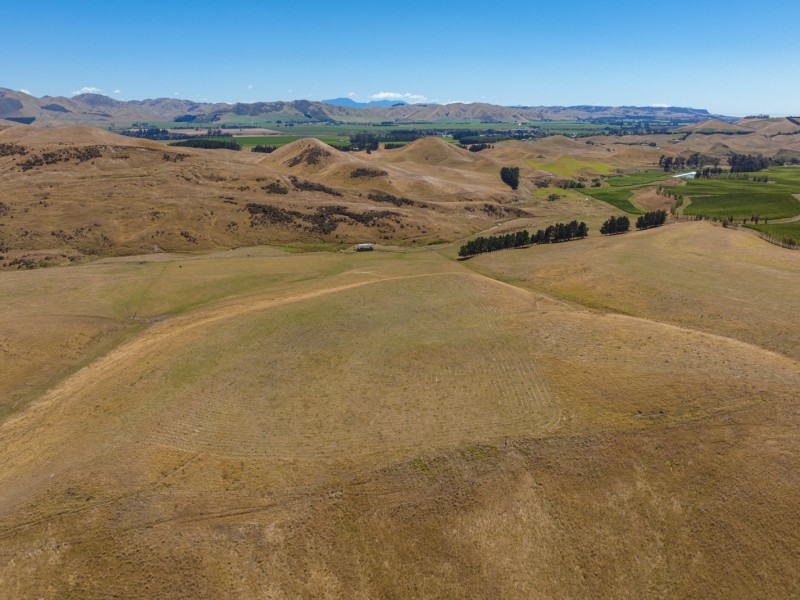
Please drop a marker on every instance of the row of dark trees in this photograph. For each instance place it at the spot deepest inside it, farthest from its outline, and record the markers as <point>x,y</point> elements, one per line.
<point>671,163</point>
<point>700,160</point>
<point>365,140</point>
<point>708,173</point>
<point>510,176</point>
<point>560,232</point>
<point>747,163</point>
<point>651,219</point>
<point>477,147</point>
<point>209,144</point>
<point>615,225</point>
<point>678,163</point>
<point>569,184</point>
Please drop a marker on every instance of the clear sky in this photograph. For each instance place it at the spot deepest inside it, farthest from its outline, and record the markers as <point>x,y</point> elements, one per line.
<point>731,57</point>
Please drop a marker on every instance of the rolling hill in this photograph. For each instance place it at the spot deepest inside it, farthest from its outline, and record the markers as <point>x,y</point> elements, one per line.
<point>201,403</point>
<point>73,192</point>
<point>258,424</point>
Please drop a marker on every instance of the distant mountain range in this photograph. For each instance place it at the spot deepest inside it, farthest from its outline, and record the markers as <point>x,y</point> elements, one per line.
<point>350,103</point>
<point>102,111</point>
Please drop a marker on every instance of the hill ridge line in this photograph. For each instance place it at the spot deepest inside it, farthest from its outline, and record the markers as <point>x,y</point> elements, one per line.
<point>608,312</point>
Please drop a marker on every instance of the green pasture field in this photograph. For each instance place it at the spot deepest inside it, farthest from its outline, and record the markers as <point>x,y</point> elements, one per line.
<point>741,199</point>
<point>620,198</point>
<point>301,126</point>
<point>638,179</point>
<point>779,230</point>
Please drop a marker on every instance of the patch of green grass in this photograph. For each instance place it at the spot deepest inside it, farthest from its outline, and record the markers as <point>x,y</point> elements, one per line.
<point>779,231</point>
<point>632,179</point>
<point>743,205</point>
<point>619,198</point>
<point>422,467</point>
<point>741,199</point>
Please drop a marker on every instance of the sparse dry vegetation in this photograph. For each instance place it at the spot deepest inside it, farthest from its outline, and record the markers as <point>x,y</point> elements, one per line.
<point>188,412</point>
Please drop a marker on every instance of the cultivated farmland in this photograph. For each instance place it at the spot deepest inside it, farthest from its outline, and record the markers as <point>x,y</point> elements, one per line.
<point>740,199</point>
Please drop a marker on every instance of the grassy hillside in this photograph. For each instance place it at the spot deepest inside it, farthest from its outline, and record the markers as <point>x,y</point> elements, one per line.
<point>782,232</point>
<point>244,418</point>
<point>613,417</point>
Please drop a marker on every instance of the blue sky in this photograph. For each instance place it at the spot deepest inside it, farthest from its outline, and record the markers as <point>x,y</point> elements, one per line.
<point>730,57</point>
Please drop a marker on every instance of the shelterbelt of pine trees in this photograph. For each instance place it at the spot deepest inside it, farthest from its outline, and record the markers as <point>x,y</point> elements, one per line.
<point>615,225</point>
<point>560,232</point>
<point>651,219</point>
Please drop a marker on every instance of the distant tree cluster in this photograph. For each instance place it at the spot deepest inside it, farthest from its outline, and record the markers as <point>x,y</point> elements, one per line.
<point>560,232</point>
<point>264,149</point>
<point>365,141</point>
<point>651,219</point>
<point>708,173</point>
<point>568,184</point>
<point>392,146</point>
<point>209,144</point>
<point>615,225</point>
<point>154,133</point>
<point>747,163</point>
<point>370,141</point>
<point>491,243</point>
<point>477,147</point>
<point>700,160</point>
<point>671,163</point>
<point>510,176</point>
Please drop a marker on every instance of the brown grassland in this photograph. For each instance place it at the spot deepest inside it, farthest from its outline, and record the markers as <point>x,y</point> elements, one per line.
<point>614,417</point>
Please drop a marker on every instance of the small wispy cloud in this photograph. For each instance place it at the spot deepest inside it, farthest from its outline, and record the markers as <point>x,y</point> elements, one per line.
<point>250,87</point>
<point>350,94</point>
<point>660,105</point>
<point>408,97</point>
<point>88,90</point>
<point>176,94</point>
<point>24,91</point>
<point>117,92</point>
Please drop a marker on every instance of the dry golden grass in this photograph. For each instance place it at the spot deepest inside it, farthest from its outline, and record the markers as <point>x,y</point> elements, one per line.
<point>393,424</point>
<point>131,199</point>
<point>614,417</point>
<point>692,273</point>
